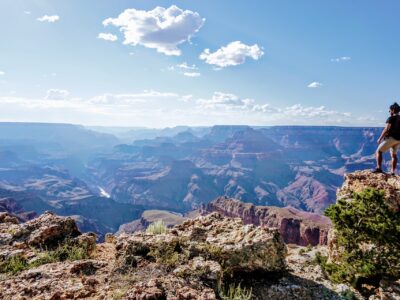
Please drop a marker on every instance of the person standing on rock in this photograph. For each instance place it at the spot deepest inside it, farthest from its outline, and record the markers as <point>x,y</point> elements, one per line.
<point>389,139</point>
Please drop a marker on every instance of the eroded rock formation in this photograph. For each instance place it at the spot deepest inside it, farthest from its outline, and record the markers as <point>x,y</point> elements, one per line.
<point>296,227</point>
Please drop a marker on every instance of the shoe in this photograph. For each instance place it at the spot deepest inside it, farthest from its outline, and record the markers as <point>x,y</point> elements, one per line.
<point>377,171</point>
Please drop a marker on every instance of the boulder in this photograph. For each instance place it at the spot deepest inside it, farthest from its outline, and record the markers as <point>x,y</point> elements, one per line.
<point>235,246</point>
<point>48,231</point>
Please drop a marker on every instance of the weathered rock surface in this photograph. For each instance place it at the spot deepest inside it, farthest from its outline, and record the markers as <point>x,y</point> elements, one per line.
<point>189,262</point>
<point>46,231</point>
<point>235,246</point>
<point>359,181</point>
<point>296,227</point>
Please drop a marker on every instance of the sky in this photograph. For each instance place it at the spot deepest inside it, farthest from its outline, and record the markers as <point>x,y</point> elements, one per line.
<point>165,63</point>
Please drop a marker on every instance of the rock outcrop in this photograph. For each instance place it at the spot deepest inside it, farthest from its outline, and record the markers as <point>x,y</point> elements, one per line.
<point>296,227</point>
<point>230,243</point>
<point>359,181</point>
<point>380,284</point>
<point>28,241</point>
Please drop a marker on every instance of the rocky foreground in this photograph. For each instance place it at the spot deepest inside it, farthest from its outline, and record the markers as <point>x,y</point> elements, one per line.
<point>198,259</point>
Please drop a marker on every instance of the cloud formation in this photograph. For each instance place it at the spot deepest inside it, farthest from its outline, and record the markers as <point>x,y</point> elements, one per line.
<point>192,74</point>
<point>162,28</point>
<point>233,54</point>
<point>342,58</point>
<point>107,37</point>
<point>225,101</point>
<point>185,66</point>
<point>124,99</point>
<point>231,105</point>
<point>315,84</point>
<point>56,94</point>
<point>2,73</point>
<point>49,19</point>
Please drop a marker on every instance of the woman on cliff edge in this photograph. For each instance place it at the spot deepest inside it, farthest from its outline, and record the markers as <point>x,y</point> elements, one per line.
<point>389,139</point>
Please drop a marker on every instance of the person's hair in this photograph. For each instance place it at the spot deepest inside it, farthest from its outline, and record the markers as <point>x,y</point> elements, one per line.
<point>395,107</point>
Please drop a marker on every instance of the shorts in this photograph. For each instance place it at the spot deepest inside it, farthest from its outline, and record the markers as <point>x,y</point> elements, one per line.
<point>389,143</point>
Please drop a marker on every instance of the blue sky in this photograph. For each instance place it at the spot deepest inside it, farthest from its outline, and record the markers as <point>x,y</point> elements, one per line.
<point>267,63</point>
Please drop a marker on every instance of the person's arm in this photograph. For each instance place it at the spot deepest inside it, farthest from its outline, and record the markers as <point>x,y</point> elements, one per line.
<point>384,132</point>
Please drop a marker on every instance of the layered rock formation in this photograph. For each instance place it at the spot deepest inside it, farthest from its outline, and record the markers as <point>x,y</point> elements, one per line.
<point>296,227</point>
<point>43,167</point>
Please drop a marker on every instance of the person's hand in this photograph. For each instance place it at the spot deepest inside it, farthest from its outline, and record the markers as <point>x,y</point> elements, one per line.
<point>378,141</point>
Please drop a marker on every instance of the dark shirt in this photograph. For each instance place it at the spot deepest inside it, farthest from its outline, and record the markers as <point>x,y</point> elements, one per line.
<point>394,130</point>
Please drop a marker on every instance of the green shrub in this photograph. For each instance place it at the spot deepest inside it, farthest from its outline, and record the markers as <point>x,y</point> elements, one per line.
<point>64,252</point>
<point>336,273</point>
<point>13,265</point>
<point>235,292</point>
<point>368,234</point>
<point>157,227</point>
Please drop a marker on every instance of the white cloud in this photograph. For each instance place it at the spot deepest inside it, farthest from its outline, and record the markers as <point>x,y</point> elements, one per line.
<point>233,54</point>
<point>49,19</point>
<point>107,37</point>
<point>315,84</point>
<point>299,110</point>
<point>56,94</point>
<point>186,98</point>
<point>186,70</point>
<point>161,29</point>
<point>186,66</point>
<point>226,101</point>
<point>192,74</point>
<point>27,12</point>
<point>342,58</point>
<point>2,73</point>
<point>154,108</point>
<point>124,99</point>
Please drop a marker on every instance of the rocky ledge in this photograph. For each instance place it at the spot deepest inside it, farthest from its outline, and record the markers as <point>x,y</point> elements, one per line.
<point>359,181</point>
<point>295,226</point>
<point>48,258</point>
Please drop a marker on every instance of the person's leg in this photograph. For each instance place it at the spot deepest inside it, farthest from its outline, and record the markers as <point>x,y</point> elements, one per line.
<point>378,155</point>
<point>393,152</point>
<point>394,162</point>
<point>387,144</point>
